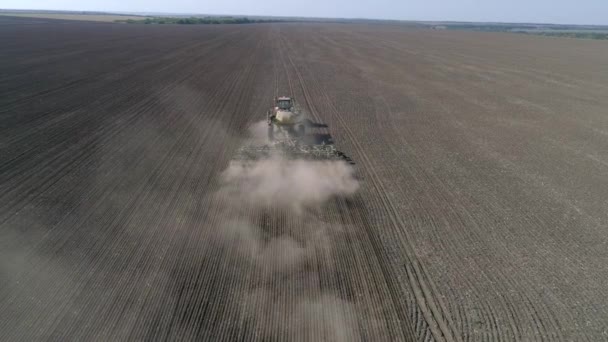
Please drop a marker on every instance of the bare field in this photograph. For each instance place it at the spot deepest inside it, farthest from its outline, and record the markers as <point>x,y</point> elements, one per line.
<point>478,211</point>
<point>66,16</point>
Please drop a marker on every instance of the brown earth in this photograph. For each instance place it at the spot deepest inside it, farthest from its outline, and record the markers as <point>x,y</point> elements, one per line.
<point>482,160</point>
<point>68,16</point>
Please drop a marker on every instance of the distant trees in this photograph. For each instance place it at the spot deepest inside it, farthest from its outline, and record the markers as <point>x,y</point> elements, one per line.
<point>569,31</point>
<point>585,35</point>
<point>196,20</point>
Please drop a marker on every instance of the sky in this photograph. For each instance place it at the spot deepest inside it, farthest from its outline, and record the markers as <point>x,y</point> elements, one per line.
<point>537,11</point>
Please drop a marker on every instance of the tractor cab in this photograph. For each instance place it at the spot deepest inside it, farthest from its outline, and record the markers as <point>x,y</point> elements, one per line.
<point>285,116</point>
<point>284,103</point>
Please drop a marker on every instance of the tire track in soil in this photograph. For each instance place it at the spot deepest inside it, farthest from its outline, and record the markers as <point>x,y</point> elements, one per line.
<point>423,293</point>
<point>82,157</point>
<point>177,316</point>
<point>534,312</point>
<point>59,159</point>
<point>431,307</point>
<point>280,224</point>
<point>544,320</point>
<point>344,219</point>
<point>455,245</point>
<point>136,199</point>
<point>512,316</point>
<point>433,316</point>
<point>110,223</point>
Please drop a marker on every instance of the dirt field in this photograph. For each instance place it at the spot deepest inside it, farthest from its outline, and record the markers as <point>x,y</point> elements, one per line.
<point>480,212</point>
<point>66,16</point>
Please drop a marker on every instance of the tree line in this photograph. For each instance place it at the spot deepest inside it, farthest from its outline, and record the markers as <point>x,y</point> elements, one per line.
<point>197,20</point>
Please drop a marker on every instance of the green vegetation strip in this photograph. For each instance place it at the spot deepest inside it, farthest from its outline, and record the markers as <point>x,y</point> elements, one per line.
<point>583,35</point>
<point>567,31</point>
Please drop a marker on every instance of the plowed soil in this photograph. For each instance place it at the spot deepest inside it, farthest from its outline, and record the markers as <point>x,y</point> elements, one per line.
<point>481,215</point>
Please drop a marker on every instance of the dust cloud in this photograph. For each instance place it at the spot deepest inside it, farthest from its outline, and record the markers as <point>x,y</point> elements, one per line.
<point>258,132</point>
<point>269,218</point>
<point>289,184</point>
<point>284,183</point>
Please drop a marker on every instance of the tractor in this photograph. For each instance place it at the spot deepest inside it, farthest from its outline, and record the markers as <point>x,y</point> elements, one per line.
<point>285,117</point>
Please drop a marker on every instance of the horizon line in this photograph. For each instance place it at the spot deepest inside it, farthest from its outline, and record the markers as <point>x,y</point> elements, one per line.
<point>294,17</point>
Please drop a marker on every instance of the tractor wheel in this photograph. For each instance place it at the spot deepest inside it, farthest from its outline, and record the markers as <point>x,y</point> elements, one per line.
<point>270,132</point>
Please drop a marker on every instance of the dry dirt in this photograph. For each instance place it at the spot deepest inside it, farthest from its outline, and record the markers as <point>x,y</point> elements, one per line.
<point>67,16</point>
<point>478,211</point>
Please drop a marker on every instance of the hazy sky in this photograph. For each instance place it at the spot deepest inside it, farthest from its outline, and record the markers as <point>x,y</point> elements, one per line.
<point>546,11</point>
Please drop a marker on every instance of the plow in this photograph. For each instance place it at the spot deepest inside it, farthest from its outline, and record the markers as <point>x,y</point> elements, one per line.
<point>289,137</point>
